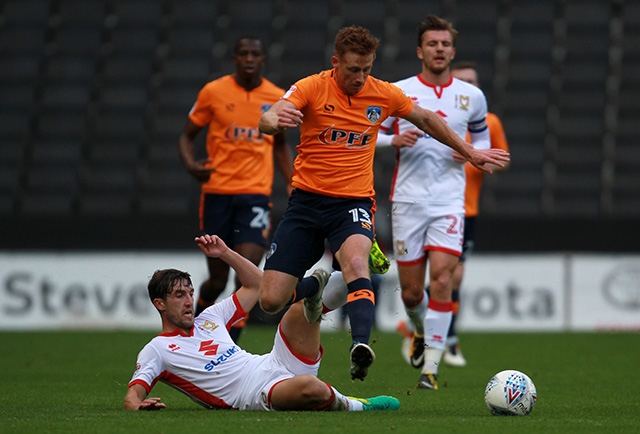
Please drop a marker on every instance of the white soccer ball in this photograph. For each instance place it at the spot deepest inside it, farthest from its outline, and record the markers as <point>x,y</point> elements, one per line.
<point>510,393</point>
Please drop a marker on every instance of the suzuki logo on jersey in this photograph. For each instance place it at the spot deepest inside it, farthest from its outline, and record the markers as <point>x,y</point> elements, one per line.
<point>351,139</point>
<point>374,113</point>
<point>208,348</point>
<point>235,132</point>
<point>221,358</point>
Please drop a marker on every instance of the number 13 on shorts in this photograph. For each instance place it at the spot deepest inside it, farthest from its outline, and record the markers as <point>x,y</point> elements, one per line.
<point>362,215</point>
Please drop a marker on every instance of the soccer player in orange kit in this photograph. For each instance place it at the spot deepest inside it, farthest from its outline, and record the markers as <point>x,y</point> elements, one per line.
<point>339,112</point>
<point>237,177</point>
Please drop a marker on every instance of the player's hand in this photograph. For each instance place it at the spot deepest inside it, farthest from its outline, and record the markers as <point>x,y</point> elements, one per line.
<point>488,159</point>
<point>458,158</point>
<point>152,404</point>
<point>200,171</point>
<point>406,139</point>
<point>211,245</point>
<point>289,118</point>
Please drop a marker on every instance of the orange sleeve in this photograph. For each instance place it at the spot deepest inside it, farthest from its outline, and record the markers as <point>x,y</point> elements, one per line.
<point>474,176</point>
<point>201,113</point>
<point>496,131</point>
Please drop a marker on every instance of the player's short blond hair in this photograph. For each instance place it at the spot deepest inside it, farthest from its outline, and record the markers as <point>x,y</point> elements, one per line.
<point>357,40</point>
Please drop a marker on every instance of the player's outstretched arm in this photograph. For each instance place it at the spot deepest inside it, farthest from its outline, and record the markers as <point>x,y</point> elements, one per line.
<point>136,399</point>
<point>405,139</point>
<point>247,273</point>
<point>433,125</point>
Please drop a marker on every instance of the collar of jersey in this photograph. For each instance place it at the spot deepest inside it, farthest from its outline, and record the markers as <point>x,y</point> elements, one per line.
<point>426,83</point>
<point>178,332</point>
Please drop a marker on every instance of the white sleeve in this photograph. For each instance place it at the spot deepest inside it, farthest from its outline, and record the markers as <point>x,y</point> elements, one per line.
<point>384,140</point>
<point>478,128</point>
<point>149,366</point>
<point>227,312</point>
<point>480,139</point>
<point>386,132</point>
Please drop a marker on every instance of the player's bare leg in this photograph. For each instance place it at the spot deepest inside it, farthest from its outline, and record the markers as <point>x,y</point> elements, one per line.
<point>276,290</point>
<point>307,392</point>
<point>353,257</point>
<point>438,317</point>
<point>453,354</point>
<point>412,279</point>
<point>304,340</point>
<point>303,337</point>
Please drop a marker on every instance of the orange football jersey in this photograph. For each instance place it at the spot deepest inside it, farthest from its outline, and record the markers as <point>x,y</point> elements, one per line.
<point>473,175</point>
<point>241,154</point>
<point>339,132</point>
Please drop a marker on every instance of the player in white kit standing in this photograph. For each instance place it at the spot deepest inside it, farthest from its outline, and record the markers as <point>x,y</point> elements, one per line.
<point>427,192</point>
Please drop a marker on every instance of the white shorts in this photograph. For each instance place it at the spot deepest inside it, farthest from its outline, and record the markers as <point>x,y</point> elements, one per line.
<point>264,372</point>
<point>419,227</point>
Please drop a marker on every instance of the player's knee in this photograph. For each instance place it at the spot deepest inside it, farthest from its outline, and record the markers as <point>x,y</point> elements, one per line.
<point>270,304</point>
<point>356,264</point>
<point>412,296</point>
<point>314,390</point>
<point>272,301</point>
<point>442,283</point>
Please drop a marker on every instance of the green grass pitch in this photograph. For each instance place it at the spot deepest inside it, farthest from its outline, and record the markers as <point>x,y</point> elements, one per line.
<point>67,382</point>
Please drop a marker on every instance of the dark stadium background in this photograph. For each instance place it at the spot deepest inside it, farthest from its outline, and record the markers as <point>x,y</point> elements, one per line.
<point>94,94</point>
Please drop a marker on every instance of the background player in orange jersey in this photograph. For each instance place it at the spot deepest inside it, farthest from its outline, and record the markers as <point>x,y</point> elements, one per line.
<point>237,177</point>
<point>339,112</point>
<point>466,71</point>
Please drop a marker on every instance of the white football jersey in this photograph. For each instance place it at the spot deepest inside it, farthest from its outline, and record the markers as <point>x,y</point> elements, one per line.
<point>207,365</point>
<point>427,172</point>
